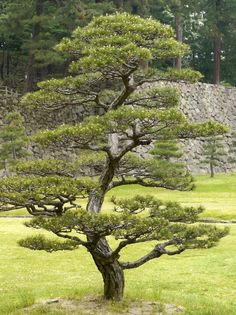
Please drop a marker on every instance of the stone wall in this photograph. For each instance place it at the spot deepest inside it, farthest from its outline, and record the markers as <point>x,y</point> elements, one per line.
<point>199,102</point>
<point>9,100</point>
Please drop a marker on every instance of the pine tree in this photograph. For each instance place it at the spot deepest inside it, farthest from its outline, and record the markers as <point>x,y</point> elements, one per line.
<point>12,140</point>
<point>106,75</point>
<point>213,151</point>
<point>167,153</point>
<point>30,29</point>
<point>166,150</point>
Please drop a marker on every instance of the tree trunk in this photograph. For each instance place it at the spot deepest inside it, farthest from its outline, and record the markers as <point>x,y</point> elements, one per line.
<point>119,4</point>
<point>217,58</point>
<point>217,43</point>
<point>211,169</point>
<point>179,37</point>
<point>96,197</point>
<point>2,64</point>
<point>109,266</point>
<point>30,74</point>
<point>95,201</point>
<point>8,63</point>
<point>111,270</point>
<point>30,70</point>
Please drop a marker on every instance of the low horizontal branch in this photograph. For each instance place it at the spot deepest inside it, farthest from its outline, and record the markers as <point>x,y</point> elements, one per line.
<point>157,252</point>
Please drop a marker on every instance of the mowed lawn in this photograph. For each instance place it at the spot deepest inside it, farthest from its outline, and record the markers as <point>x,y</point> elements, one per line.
<point>203,281</point>
<point>217,195</point>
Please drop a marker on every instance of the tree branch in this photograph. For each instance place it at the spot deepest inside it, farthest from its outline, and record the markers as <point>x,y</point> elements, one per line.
<point>10,208</point>
<point>157,252</point>
<point>72,238</point>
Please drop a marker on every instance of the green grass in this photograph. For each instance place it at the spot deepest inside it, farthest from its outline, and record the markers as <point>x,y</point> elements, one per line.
<point>217,195</point>
<point>203,281</point>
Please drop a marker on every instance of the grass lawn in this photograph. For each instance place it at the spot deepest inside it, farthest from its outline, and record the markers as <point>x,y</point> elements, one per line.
<point>217,195</point>
<point>203,281</point>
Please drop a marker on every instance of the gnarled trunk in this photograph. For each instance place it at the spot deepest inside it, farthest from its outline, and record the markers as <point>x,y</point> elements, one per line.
<point>107,264</point>
<point>95,201</point>
<point>113,278</point>
<point>111,270</point>
<point>97,196</point>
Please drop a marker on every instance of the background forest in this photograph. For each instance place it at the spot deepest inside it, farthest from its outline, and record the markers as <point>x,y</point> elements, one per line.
<point>30,29</point>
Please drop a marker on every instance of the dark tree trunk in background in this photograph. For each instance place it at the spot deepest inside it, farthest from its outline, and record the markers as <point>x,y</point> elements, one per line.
<point>217,58</point>
<point>30,74</point>
<point>179,37</point>
<point>2,64</point>
<point>5,64</point>
<point>217,44</point>
<point>8,63</point>
<point>119,3</point>
<point>30,70</point>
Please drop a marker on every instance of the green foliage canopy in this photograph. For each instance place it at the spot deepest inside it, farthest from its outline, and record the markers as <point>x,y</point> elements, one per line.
<point>107,78</point>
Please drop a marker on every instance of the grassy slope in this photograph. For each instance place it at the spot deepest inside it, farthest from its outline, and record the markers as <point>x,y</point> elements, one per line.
<point>204,281</point>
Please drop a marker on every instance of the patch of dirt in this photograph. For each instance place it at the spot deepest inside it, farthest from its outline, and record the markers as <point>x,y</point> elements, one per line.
<point>96,306</point>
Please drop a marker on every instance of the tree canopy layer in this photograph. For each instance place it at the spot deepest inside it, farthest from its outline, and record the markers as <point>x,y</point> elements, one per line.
<point>107,79</point>
<point>29,31</point>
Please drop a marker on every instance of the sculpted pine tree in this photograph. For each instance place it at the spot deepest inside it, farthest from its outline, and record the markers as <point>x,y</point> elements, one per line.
<point>106,78</point>
<point>213,152</point>
<point>166,154</point>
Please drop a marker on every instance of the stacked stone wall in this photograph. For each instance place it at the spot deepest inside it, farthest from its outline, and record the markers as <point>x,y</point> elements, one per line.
<point>199,102</point>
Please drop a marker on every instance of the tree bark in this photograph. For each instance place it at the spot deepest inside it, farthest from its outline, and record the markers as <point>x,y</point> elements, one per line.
<point>179,37</point>
<point>111,270</point>
<point>8,63</point>
<point>119,4</point>
<point>212,169</point>
<point>217,59</point>
<point>96,197</point>
<point>2,64</point>
<point>217,44</point>
<point>109,266</point>
<point>95,201</point>
<point>30,70</point>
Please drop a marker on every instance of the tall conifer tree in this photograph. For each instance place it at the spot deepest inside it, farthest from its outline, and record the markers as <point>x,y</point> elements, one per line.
<point>106,75</point>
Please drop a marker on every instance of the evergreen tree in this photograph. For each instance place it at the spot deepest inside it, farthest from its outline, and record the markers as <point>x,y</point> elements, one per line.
<point>106,75</point>
<point>176,13</point>
<point>12,140</point>
<point>214,49</point>
<point>167,153</point>
<point>213,151</point>
<point>166,150</point>
<point>30,30</point>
